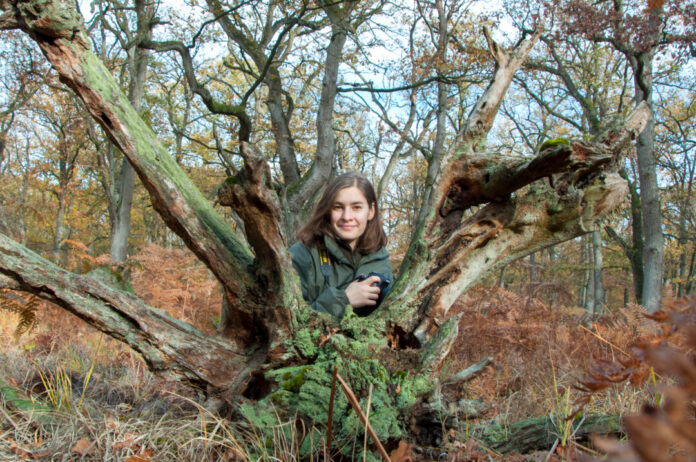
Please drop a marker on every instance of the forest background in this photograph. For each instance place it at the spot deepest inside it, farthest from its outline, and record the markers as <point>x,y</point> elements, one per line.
<point>406,77</point>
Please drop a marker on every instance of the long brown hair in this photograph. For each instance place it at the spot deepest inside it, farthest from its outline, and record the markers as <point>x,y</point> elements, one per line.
<point>312,233</point>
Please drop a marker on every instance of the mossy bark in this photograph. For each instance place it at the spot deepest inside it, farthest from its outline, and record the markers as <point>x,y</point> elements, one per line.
<point>541,433</point>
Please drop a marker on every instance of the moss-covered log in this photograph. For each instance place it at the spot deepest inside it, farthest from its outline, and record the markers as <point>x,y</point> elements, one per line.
<point>541,433</point>
<point>169,346</point>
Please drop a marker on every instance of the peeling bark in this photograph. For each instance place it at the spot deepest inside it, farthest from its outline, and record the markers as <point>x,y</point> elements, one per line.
<point>455,254</point>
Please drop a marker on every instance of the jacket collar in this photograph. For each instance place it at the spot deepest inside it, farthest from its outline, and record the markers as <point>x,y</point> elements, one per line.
<point>334,249</point>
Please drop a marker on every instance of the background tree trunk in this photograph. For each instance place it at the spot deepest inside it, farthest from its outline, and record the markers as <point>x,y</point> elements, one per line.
<point>597,272</point>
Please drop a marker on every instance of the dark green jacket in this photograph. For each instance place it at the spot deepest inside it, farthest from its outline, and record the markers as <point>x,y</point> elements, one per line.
<point>330,296</point>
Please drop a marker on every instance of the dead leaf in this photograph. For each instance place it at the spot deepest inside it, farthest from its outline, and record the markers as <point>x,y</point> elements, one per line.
<point>83,447</point>
<point>233,455</point>
<point>137,459</point>
<point>404,453</point>
<point>21,452</point>
<point>659,316</point>
<point>145,456</point>
<point>127,443</point>
<point>603,369</point>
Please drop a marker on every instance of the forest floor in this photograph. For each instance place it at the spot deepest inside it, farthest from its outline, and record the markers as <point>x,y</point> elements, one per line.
<point>105,405</point>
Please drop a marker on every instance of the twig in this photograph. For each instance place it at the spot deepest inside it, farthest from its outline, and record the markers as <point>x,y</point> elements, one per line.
<point>9,419</point>
<point>585,448</point>
<point>553,448</point>
<point>354,402</point>
<point>469,372</point>
<point>367,418</point>
<point>327,447</point>
<point>605,341</point>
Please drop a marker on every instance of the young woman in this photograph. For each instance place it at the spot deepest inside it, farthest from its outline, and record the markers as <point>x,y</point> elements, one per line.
<point>340,256</point>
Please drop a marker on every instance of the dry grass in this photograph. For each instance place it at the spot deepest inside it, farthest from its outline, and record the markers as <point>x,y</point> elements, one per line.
<point>126,411</point>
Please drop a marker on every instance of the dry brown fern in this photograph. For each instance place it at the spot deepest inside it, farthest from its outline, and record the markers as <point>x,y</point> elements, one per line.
<point>665,430</point>
<point>25,309</point>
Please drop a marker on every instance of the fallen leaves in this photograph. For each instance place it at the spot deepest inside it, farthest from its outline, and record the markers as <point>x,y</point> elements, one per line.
<point>83,448</point>
<point>404,453</point>
<point>665,432</point>
<point>26,454</point>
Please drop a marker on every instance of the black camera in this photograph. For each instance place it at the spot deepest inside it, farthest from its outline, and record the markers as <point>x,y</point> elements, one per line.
<point>384,285</point>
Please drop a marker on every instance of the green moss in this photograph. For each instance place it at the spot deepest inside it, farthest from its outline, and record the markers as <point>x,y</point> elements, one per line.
<point>152,158</point>
<point>553,142</point>
<point>306,390</point>
<point>58,19</point>
<point>304,342</point>
<point>294,383</point>
<point>232,180</point>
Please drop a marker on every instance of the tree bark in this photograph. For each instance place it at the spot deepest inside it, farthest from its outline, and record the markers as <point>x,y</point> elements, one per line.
<point>138,64</point>
<point>262,311</point>
<point>650,206</point>
<point>641,62</point>
<point>169,346</point>
<point>597,272</point>
<point>451,256</point>
<point>541,433</point>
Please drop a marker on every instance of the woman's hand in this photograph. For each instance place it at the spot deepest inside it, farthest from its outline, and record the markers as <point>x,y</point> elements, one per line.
<point>363,293</point>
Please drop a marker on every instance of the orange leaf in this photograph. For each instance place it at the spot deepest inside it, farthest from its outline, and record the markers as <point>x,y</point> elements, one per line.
<point>128,442</point>
<point>403,453</point>
<point>144,456</point>
<point>83,447</point>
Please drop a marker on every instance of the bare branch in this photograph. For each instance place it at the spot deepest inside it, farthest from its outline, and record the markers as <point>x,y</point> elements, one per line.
<point>214,106</point>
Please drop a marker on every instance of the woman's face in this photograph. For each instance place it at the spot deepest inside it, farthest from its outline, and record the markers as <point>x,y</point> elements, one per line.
<point>350,213</point>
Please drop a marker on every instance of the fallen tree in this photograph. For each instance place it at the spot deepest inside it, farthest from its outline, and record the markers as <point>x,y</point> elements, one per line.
<point>280,351</point>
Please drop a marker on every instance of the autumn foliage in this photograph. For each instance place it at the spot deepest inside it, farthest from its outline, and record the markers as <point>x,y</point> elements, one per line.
<point>664,430</point>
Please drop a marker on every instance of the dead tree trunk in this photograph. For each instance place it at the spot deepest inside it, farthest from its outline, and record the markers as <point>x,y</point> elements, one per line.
<point>278,341</point>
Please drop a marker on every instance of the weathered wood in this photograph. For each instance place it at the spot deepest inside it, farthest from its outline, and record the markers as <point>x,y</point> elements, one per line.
<point>453,254</point>
<point>468,373</point>
<point>169,346</point>
<point>541,433</point>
